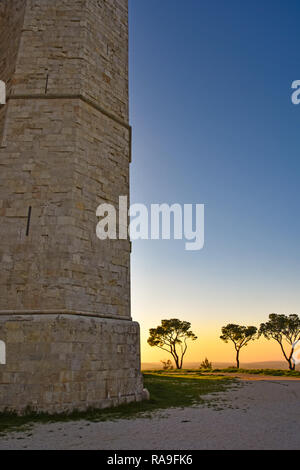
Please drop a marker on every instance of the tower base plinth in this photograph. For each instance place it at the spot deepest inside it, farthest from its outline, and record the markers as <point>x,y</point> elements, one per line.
<point>61,363</point>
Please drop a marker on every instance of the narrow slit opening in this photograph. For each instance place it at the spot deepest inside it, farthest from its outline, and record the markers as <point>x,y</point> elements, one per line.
<point>28,221</point>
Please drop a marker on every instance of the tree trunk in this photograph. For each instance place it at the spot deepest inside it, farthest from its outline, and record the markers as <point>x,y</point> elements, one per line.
<point>181,362</point>
<point>238,359</point>
<point>176,359</point>
<point>292,365</point>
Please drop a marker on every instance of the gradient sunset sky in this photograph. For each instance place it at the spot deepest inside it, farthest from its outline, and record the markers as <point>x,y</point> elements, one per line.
<point>213,123</point>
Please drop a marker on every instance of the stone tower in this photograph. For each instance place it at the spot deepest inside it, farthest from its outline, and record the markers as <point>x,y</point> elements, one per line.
<point>65,148</point>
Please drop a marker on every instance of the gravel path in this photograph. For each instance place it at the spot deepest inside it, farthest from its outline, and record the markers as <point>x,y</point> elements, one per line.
<point>258,414</point>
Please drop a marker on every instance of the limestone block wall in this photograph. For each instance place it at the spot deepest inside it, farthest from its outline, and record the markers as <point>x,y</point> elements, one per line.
<point>36,170</point>
<point>70,159</point>
<point>61,363</point>
<point>50,52</point>
<point>11,23</point>
<point>65,149</point>
<point>101,175</point>
<point>76,47</point>
<point>105,55</point>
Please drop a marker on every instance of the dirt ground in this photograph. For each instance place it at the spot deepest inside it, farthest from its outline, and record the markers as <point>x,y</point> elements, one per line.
<point>261,413</point>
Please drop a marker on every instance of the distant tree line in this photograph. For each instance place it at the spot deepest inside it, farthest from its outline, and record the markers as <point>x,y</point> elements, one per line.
<point>173,335</point>
<point>284,329</point>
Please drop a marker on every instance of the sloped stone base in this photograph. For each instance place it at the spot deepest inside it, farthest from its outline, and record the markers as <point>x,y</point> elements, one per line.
<point>59,363</point>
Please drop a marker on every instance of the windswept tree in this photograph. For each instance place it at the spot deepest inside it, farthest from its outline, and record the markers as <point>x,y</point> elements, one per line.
<point>172,336</point>
<point>283,329</point>
<point>240,336</point>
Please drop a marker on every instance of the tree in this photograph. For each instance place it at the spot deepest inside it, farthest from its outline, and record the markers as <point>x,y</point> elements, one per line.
<point>206,364</point>
<point>282,328</point>
<point>172,336</point>
<point>167,365</point>
<point>240,336</point>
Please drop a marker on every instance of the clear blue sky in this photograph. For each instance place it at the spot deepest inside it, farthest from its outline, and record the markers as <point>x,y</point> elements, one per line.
<point>213,123</point>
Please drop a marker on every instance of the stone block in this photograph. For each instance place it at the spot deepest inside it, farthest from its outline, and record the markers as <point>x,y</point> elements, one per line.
<point>40,381</point>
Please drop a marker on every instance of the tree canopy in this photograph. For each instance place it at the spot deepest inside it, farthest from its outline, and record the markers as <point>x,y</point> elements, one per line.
<point>172,336</point>
<point>282,328</point>
<point>240,336</point>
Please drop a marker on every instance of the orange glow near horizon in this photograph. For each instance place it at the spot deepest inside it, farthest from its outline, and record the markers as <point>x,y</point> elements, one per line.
<point>162,290</point>
<point>215,350</point>
<point>170,301</point>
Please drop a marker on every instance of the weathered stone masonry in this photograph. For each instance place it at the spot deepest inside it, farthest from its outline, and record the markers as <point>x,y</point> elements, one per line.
<point>60,363</point>
<point>66,144</point>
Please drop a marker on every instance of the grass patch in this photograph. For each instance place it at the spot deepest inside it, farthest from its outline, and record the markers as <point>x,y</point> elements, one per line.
<point>273,372</point>
<point>167,390</point>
